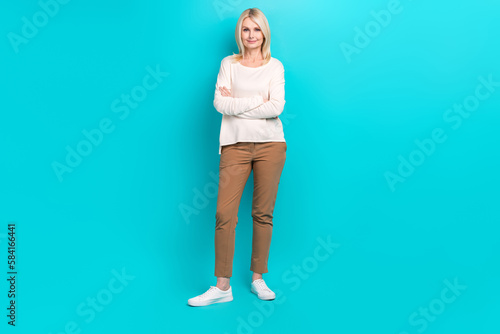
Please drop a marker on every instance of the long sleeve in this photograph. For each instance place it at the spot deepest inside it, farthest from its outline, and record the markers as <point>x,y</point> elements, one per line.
<point>274,107</point>
<point>228,105</point>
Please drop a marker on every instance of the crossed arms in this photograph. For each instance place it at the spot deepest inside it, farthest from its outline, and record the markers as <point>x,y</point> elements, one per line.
<point>249,107</point>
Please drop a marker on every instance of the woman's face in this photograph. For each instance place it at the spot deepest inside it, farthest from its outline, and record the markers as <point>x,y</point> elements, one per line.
<point>251,34</point>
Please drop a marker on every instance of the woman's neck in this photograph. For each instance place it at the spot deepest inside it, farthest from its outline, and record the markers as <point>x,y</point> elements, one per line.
<point>253,57</point>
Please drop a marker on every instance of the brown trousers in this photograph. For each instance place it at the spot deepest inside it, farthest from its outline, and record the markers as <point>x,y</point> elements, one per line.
<point>236,162</point>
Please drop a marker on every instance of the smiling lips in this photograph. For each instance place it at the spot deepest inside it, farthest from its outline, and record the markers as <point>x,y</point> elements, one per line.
<point>251,41</point>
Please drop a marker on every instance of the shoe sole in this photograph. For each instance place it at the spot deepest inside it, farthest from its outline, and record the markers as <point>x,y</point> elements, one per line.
<point>269,298</point>
<point>210,302</point>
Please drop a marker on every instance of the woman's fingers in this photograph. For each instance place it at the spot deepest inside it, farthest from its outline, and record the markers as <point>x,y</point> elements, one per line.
<point>225,91</point>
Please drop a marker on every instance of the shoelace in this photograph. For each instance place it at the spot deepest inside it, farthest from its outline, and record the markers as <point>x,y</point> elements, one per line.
<point>208,292</point>
<point>262,285</point>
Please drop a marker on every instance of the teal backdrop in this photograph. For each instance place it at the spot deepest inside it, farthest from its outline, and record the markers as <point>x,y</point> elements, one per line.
<point>387,217</point>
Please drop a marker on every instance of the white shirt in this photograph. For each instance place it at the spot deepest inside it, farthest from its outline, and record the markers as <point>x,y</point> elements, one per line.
<point>245,116</point>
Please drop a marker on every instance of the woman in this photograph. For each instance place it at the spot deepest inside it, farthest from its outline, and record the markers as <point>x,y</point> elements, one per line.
<point>250,94</point>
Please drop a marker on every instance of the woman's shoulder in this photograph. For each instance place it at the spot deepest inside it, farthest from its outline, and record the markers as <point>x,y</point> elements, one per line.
<point>276,62</point>
<point>229,60</point>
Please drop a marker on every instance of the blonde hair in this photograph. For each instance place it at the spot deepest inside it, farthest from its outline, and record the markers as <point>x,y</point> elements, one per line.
<point>260,19</point>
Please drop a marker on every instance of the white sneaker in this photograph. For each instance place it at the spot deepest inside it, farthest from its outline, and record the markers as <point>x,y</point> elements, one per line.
<point>260,288</point>
<point>211,296</point>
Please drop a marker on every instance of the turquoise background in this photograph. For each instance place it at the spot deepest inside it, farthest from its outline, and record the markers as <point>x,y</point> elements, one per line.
<point>348,121</point>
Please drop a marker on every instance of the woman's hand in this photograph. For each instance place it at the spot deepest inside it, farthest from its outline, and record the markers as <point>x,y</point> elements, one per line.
<point>224,91</point>
<point>227,92</point>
